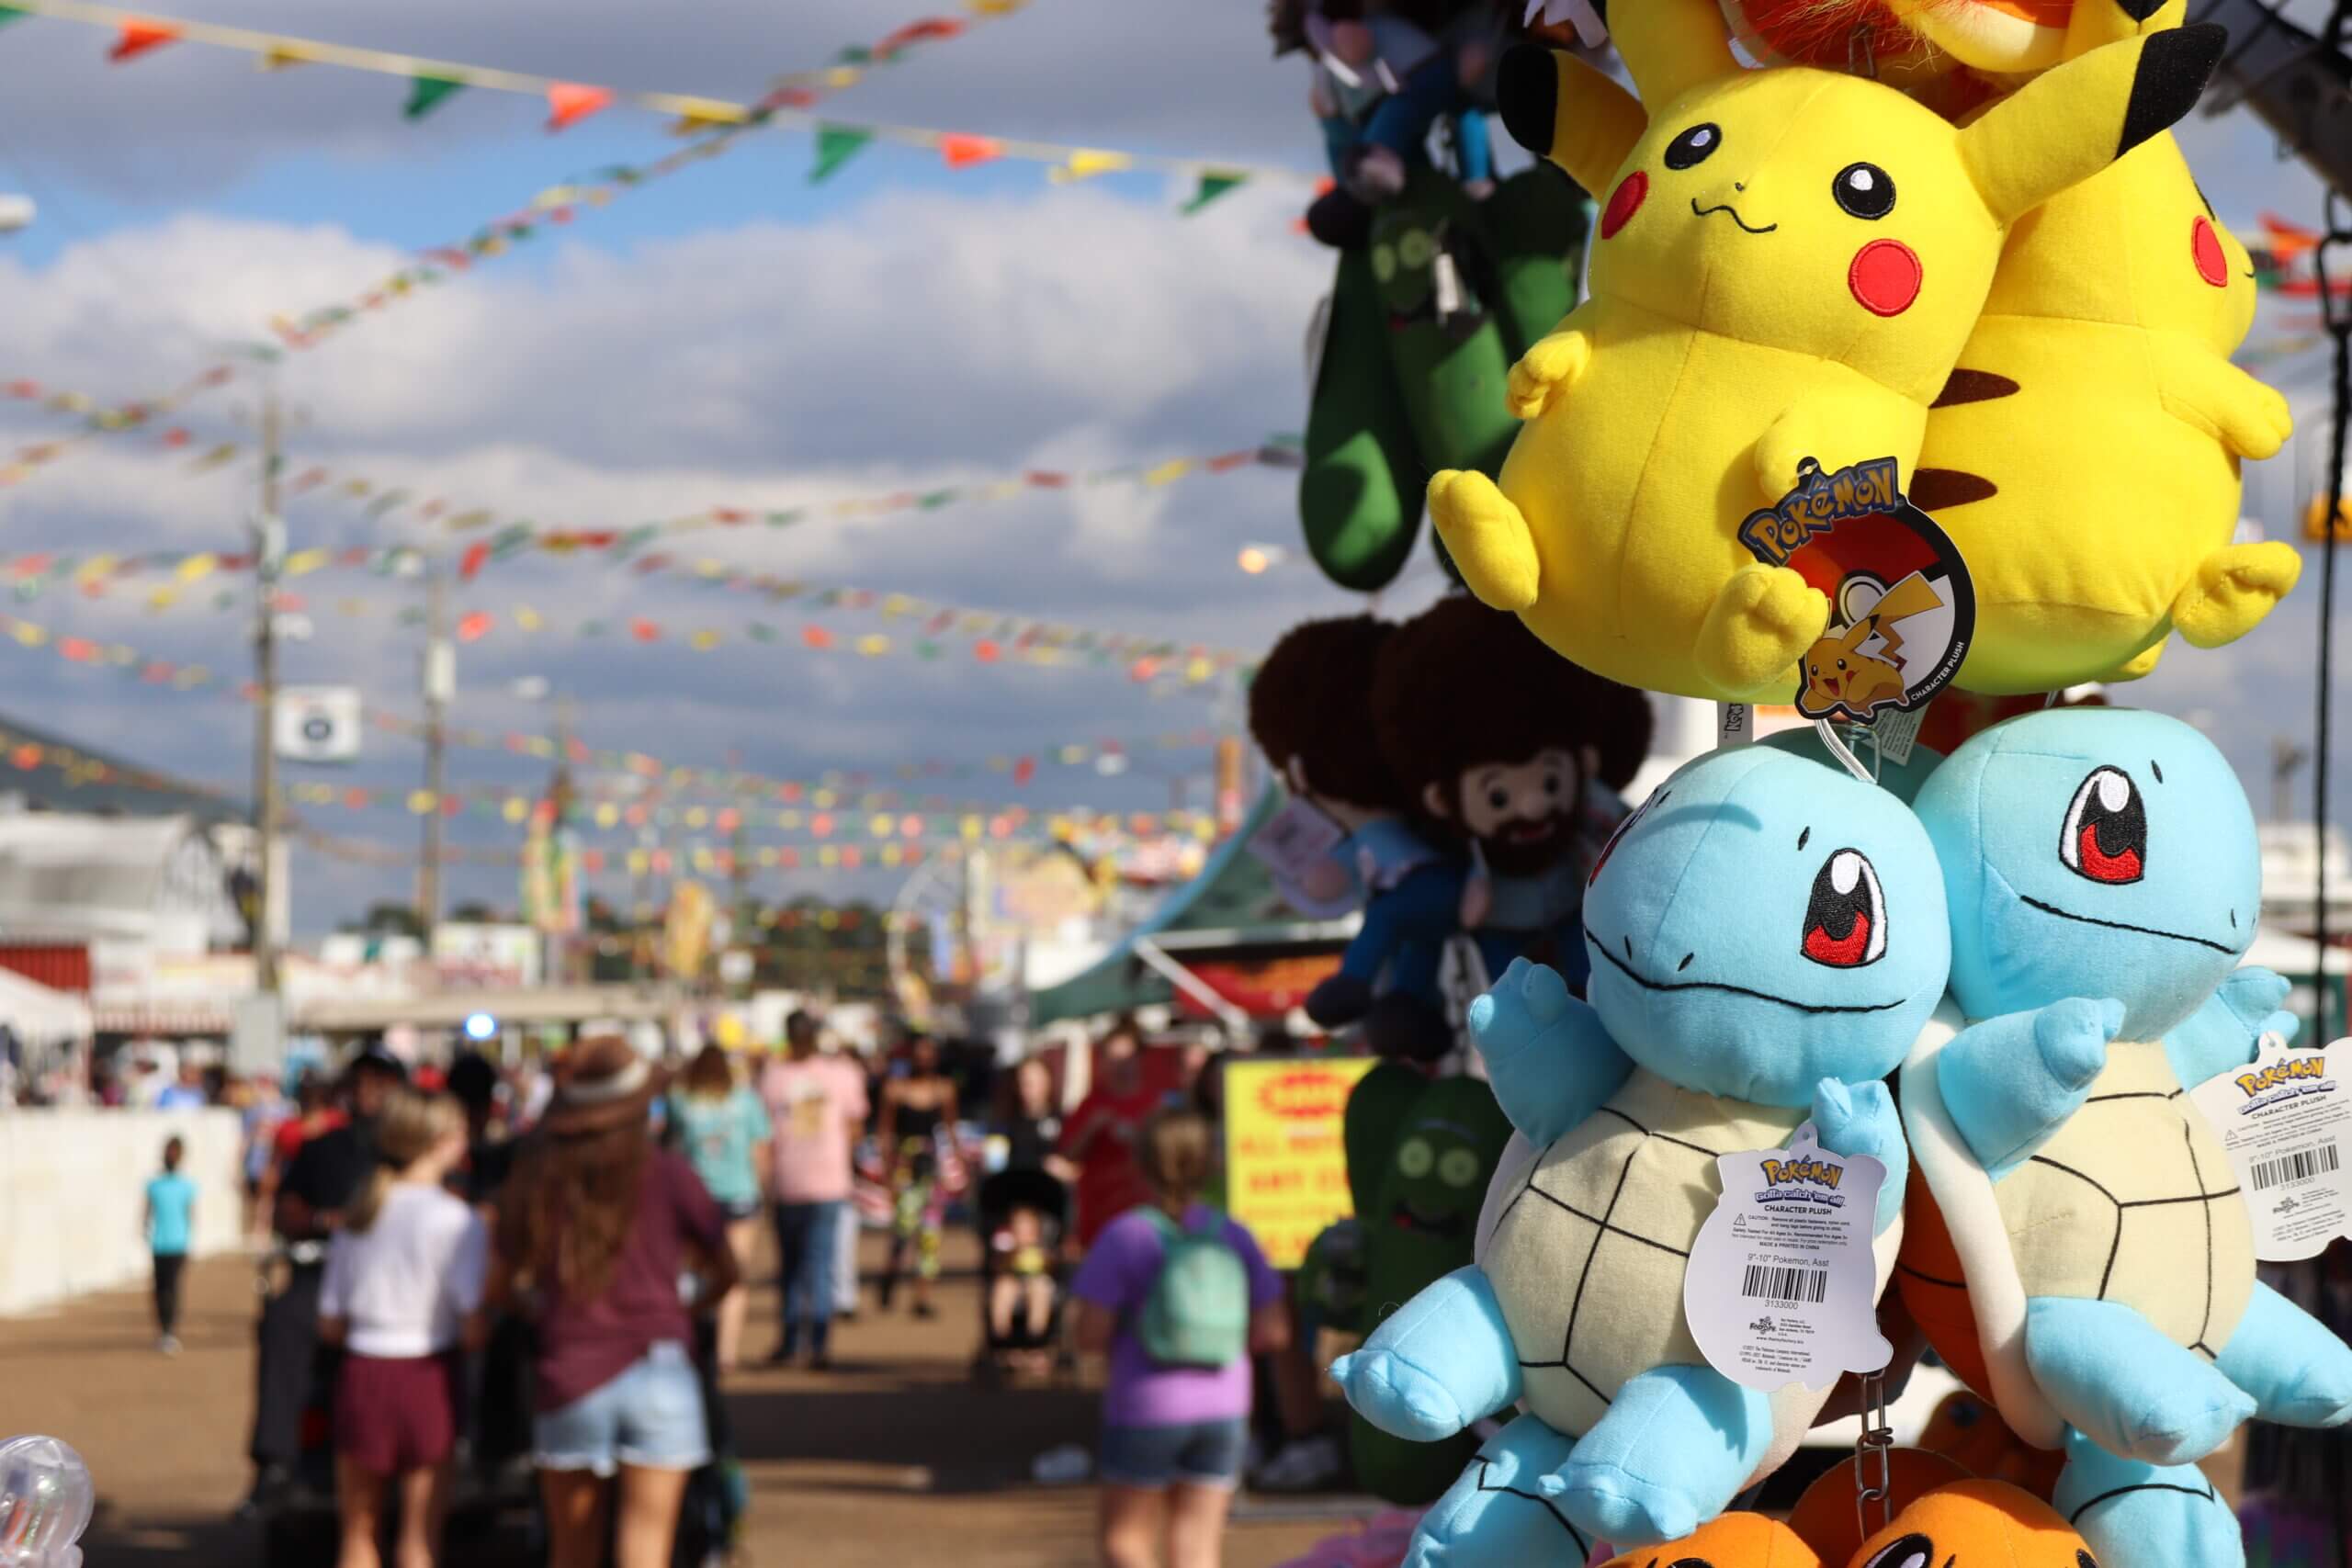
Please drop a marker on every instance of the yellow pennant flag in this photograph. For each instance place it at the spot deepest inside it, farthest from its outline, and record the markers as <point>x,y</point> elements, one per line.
<point>1088,161</point>
<point>842,76</point>
<point>469,519</point>
<point>526,618</point>
<point>28,633</point>
<point>1168,472</point>
<point>283,54</point>
<point>224,453</point>
<point>824,800</point>
<point>787,820</point>
<point>95,568</point>
<point>517,808</point>
<point>357,487</point>
<point>197,568</point>
<point>302,562</point>
<point>704,641</point>
<point>637,860</point>
<point>420,801</point>
<point>163,597</point>
<point>608,814</point>
<point>874,645</point>
<point>698,817</point>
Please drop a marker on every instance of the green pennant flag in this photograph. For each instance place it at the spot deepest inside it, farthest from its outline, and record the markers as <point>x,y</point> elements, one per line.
<point>592,628</point>
<point>11,14</point>
<point>935,499</point>
<point>856,54</point>
<point>425,93</point>
<point>926,650</point>
<point>762,632</point>
<point>1213,184</point>
<point>785,519</point>
<point>836,145</point>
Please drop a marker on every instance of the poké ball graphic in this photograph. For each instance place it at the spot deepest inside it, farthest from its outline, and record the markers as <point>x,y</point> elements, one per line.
<point>46,1500</point>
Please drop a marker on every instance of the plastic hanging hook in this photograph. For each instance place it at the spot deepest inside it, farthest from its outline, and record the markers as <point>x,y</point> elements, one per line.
<point>1861,59</point>
<point>1837,749</point>
<point>1874,1460</point>
<point>46,1501</point>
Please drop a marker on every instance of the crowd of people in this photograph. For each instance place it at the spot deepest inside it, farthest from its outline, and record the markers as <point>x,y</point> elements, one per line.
<point>559,1249</point>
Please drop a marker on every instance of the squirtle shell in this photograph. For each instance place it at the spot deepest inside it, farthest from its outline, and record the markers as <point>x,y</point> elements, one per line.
<point>2132,1200</point>
<point>1588,1256</point>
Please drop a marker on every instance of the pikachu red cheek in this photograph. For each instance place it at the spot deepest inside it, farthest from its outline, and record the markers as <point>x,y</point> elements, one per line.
<point>1623,202</point>
<point>2205,250</point>
<point>1884,276</point>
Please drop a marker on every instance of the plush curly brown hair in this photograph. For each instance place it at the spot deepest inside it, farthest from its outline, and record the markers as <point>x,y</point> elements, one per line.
<point>1311,699</point>
<point>1460,685</point>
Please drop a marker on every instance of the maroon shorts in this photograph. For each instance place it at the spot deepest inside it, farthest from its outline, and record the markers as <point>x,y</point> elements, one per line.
<point>392,1415</point>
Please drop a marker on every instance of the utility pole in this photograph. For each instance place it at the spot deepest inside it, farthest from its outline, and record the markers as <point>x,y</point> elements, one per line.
<point>440,689</point>
<point>269,551</point>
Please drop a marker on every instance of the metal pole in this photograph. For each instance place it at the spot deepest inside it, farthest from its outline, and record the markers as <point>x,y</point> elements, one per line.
<point>269,545</point>
<point>440,679</point>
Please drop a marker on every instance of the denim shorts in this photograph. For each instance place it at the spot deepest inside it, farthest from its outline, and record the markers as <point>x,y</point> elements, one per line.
<point>650,1417</point>
<point>1198,1453</point>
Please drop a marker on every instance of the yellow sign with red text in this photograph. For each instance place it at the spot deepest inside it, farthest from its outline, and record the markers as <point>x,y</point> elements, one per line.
<point>1286,1161</point>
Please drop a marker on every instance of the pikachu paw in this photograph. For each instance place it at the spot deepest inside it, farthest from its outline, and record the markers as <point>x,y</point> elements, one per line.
<point>1544,372</point>
<point>2140,665</point>
<point>1759,626</point>
<point>2234,589</point>
<point>2275,425</point>
<point>1487,537</point>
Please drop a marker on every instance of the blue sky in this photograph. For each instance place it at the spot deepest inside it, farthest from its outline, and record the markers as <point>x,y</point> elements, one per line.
<point>731,335</point>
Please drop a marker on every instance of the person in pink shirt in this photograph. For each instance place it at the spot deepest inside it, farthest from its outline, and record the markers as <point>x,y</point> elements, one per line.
<point>816,1106</point>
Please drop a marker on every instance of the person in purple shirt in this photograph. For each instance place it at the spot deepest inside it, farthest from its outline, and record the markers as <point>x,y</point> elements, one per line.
<point>1173,1436</point>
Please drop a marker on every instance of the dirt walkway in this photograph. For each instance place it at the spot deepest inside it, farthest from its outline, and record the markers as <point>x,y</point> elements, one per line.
<point>892,1457</point>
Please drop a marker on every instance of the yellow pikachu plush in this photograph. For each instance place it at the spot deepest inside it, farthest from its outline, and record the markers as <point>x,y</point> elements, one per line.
<point>2083,457</point>
<point>1787,265</point>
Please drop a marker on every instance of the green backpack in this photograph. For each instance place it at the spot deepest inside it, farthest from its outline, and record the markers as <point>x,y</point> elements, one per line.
<point>1198,1312</point>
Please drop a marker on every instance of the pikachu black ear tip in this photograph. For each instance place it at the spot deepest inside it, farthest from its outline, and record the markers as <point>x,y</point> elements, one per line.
<point>2139,10</point>
<point>2174,65</point>
<point>1528,92</point>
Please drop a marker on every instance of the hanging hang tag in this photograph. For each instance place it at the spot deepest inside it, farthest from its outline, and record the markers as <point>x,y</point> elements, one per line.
<point>1781,1286</point>
<point>1296,846</point>
<point>2285,1121</point>
<point>1734,724</point>
<point>1897,733</point>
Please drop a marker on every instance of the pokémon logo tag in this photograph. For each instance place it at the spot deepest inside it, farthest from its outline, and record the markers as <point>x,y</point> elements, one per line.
<point>1902,608</point>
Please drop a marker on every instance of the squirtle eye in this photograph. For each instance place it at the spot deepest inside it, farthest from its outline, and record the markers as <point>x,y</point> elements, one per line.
<point>1695,146</point>
<point>1845,919</point>
<point>1458,1168</point>
<point>1864,189</point>
<point>1383,263</point>
<point>1911,1551</point>
<point>1416,1157</point>
<point>2106,837</point>
<point>1617,837</point>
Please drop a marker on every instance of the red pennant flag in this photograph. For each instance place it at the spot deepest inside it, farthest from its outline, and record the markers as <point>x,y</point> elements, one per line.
<point>24,388</point>
<point>1041,480</point>
<point>577,749</point>
<point>79,650</point>
<point>816,637</point>
<point>593,859</point>
<point>987,651</point>
<point>356,799</point>
<point>1025,770</point>
<point>962,149</point>
<point>645,631</point>
<point>452,804</point>
<point>176,437</point>
<point>469,565</point>
<point>569,103</point>
<point>473,627</point>
<point>137,38</point>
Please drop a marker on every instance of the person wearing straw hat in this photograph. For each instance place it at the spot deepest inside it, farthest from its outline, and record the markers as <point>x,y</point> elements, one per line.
<point>595,1227</point>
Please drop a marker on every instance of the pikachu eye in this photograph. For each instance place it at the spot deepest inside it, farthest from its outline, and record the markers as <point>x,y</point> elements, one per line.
<point>1865,190</point>
<point>1695,146</point>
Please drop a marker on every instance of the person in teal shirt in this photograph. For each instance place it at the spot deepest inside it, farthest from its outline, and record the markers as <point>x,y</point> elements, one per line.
<point>722,1128</point>
<point>171,1220</point>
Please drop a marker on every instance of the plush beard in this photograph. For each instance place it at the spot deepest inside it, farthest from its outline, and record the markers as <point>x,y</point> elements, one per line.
<point>1521,847</point>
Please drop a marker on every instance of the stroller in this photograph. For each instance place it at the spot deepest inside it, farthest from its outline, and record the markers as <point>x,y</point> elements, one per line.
<point>1022,1215</point>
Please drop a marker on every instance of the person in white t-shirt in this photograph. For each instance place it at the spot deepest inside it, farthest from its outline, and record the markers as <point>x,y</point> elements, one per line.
<point>403,1293</point>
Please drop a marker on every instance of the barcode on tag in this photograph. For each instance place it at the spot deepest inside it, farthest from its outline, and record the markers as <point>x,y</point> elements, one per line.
<point>1763,1282</point>
<point>2301,1165</point>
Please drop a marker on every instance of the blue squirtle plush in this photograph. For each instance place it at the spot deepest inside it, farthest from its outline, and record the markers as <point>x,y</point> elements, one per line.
<point>1767,937</point>
<point>2104,877</point>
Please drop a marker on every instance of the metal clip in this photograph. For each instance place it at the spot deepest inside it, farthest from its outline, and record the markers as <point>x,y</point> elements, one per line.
<point>1873,1459</point>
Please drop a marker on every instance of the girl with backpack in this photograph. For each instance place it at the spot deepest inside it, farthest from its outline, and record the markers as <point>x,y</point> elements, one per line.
<point>1181,1298</point>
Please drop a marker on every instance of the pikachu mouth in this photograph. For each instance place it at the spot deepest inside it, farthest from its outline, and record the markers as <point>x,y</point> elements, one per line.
<point>1724,207</point>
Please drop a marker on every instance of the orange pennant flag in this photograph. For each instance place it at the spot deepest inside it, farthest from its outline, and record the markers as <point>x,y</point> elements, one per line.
<point>962,149</point>
<point>137,38</point>
<point>569,103</point>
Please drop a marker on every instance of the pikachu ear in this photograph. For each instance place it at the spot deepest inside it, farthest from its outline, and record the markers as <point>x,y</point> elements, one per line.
<point>2097,22</point>
<point>2074,121</point>
<point>1671,46</point>
<point>1558,107</point>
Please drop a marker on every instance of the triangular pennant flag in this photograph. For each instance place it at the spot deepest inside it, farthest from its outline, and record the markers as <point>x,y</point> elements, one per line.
<point>283,55</point>
<point>1214,182</point>
<point>425,93</point>
<point>569,103</point>
<point>836,145</point>
<point>137,38</point>
<point>11,14</point>
<point>469,565</point>
<point>1088,161</point>
<point>473,627</point>
<point>961,149</point>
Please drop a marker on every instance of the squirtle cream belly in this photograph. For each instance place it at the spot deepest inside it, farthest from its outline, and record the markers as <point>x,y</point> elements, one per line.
<point>1628,578</point>
<point>1587,1258</point>
<point>2134,1201</point>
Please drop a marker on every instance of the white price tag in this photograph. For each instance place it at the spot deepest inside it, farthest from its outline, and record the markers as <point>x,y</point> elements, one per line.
<point>1295,845</point>
<point>1781,1287</point>
<point>1897,732</point>
<point>2285,1122</point>
<point>1734,724</point>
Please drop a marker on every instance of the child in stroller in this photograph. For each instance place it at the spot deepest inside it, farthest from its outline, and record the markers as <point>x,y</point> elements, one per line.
<point>1023,1214</point>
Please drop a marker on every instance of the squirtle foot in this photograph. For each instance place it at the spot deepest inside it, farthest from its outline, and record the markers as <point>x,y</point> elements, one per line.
<point>1493,1514</point>
<point>1440,1361</point>
<point>2233,588</point>
<point>1487,537</point>
<point>2127,1387</point>
<point>2130,1511</point>
<point>1672,1451</point>
<point>1759,626</point>
<point>2297,1373</point>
